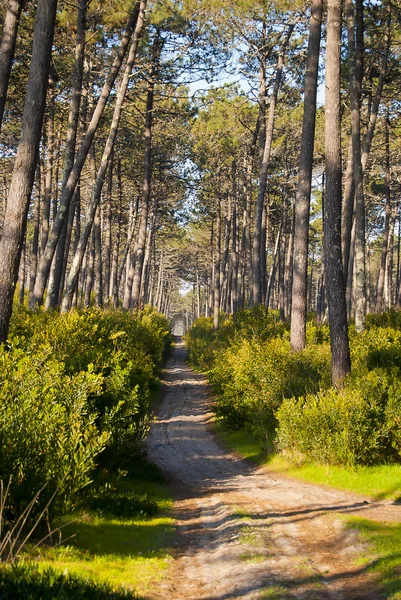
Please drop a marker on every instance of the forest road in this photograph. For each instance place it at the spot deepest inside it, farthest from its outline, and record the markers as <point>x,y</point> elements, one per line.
<point>245,532</point>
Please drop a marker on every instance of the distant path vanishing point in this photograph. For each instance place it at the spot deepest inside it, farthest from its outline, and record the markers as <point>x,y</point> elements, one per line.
<point>244,532</point>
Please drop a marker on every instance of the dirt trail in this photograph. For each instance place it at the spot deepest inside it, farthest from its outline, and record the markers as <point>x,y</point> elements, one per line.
<point>244,532</point>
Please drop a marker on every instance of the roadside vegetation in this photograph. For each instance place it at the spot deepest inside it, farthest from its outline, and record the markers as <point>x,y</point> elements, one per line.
<point>75,400</point>
<point>286,400</point>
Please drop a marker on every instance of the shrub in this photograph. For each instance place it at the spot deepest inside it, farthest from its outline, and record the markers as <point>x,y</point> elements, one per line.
<point>261,385</point>
<point>74,392</point>
<point>125,349</point>
<point>47,434</point>
<point>252,378</point>
<point>199,341</point>
<point>357,425</point>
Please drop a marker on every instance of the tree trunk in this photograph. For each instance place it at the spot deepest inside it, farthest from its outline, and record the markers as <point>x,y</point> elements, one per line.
<point>348,211</point>
<point>98,260</point>
<point>108,234</point>
<point>116,245</point>
<point>217,270</point>
<point>25,163</point>
<point>66,196</point>
<point>234,251</point>
<point>7,48</point>
<point>302,204</point>
<point>341,362</point>
<point>61,254</point>
<point>355,94</point>
<point>49,164</point>
<point>383,261</point>
<point>36,223</point>
<point>139,250</point>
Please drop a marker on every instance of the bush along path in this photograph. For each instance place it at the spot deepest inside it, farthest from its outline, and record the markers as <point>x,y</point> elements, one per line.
<point>244,532</point>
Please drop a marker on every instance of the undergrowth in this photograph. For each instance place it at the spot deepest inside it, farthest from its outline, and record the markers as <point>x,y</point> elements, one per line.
<point>286,400</point>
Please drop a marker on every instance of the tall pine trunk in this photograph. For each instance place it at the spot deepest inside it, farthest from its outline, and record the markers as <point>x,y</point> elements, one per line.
<point>302,204</point>
<point>132,299</point>
<point>104,163</point>
<point>341,362</point>
<point>26,160</point>
<point>355,96</point>
<point>257,233</point>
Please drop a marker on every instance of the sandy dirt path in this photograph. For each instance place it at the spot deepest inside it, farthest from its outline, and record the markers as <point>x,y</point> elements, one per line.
<point>243,532</point>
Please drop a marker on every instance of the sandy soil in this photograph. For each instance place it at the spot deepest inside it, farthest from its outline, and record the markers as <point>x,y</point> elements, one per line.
<point>243,532</point>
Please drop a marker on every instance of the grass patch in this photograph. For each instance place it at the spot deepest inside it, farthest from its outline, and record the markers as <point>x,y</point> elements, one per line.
<point>385,541</point>
<point>275,592</point>
<point>242,442</point>
<point>132,552</point>
<point>381,482</point>
<point>26,580</point>
<point>252,558</point>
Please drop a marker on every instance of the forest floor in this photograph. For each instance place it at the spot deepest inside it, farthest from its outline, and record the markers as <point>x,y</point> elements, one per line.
<point>245,532</point>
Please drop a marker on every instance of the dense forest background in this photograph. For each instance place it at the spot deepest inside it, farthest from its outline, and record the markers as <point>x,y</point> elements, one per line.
<point>181,155</point>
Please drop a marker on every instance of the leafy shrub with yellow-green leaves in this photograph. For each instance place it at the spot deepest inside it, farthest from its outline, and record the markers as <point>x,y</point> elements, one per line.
<point>286,398</point>
<point>358,424</point>
<point>74,395</point>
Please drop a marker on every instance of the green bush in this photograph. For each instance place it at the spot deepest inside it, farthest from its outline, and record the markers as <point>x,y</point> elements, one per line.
<point>252,378</point>
<point>392,318</point>
<point>205,345</point>
<point>357,425</point>
<point>199,341</point>
<point>47,434</point>
<point>74,394</point>
<point>26,580</point>
<point>126,349</point>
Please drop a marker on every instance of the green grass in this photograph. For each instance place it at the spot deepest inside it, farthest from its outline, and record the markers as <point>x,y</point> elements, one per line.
<point>130,552</point>
<point>242,442</point>
<point>385,541</point>
<point>380,482</point>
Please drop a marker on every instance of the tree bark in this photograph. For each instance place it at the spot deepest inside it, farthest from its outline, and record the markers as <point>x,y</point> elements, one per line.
<point>217,271</point>
<point>7,48</point>
<point>139,250</point>
<point>355,94</point>
<point>104,163</point>
<point>341,362</point>
<point>25,163</point>
<point>49,164</point>
<point>302,204</point>
<point>383,260</point>
<point>61,255</point>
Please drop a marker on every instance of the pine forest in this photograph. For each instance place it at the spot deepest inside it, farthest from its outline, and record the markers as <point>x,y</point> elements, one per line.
<point>200,299</point>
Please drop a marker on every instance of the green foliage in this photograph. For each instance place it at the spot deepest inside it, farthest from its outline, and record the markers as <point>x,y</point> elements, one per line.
<point>47,434</point>
<point>199,342</point>
<point>26,580</point>
<point>74,393</point>
<point>253,377</point>
<point>252,368</point>
<point>263,387</point>
<point>345,426</point>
